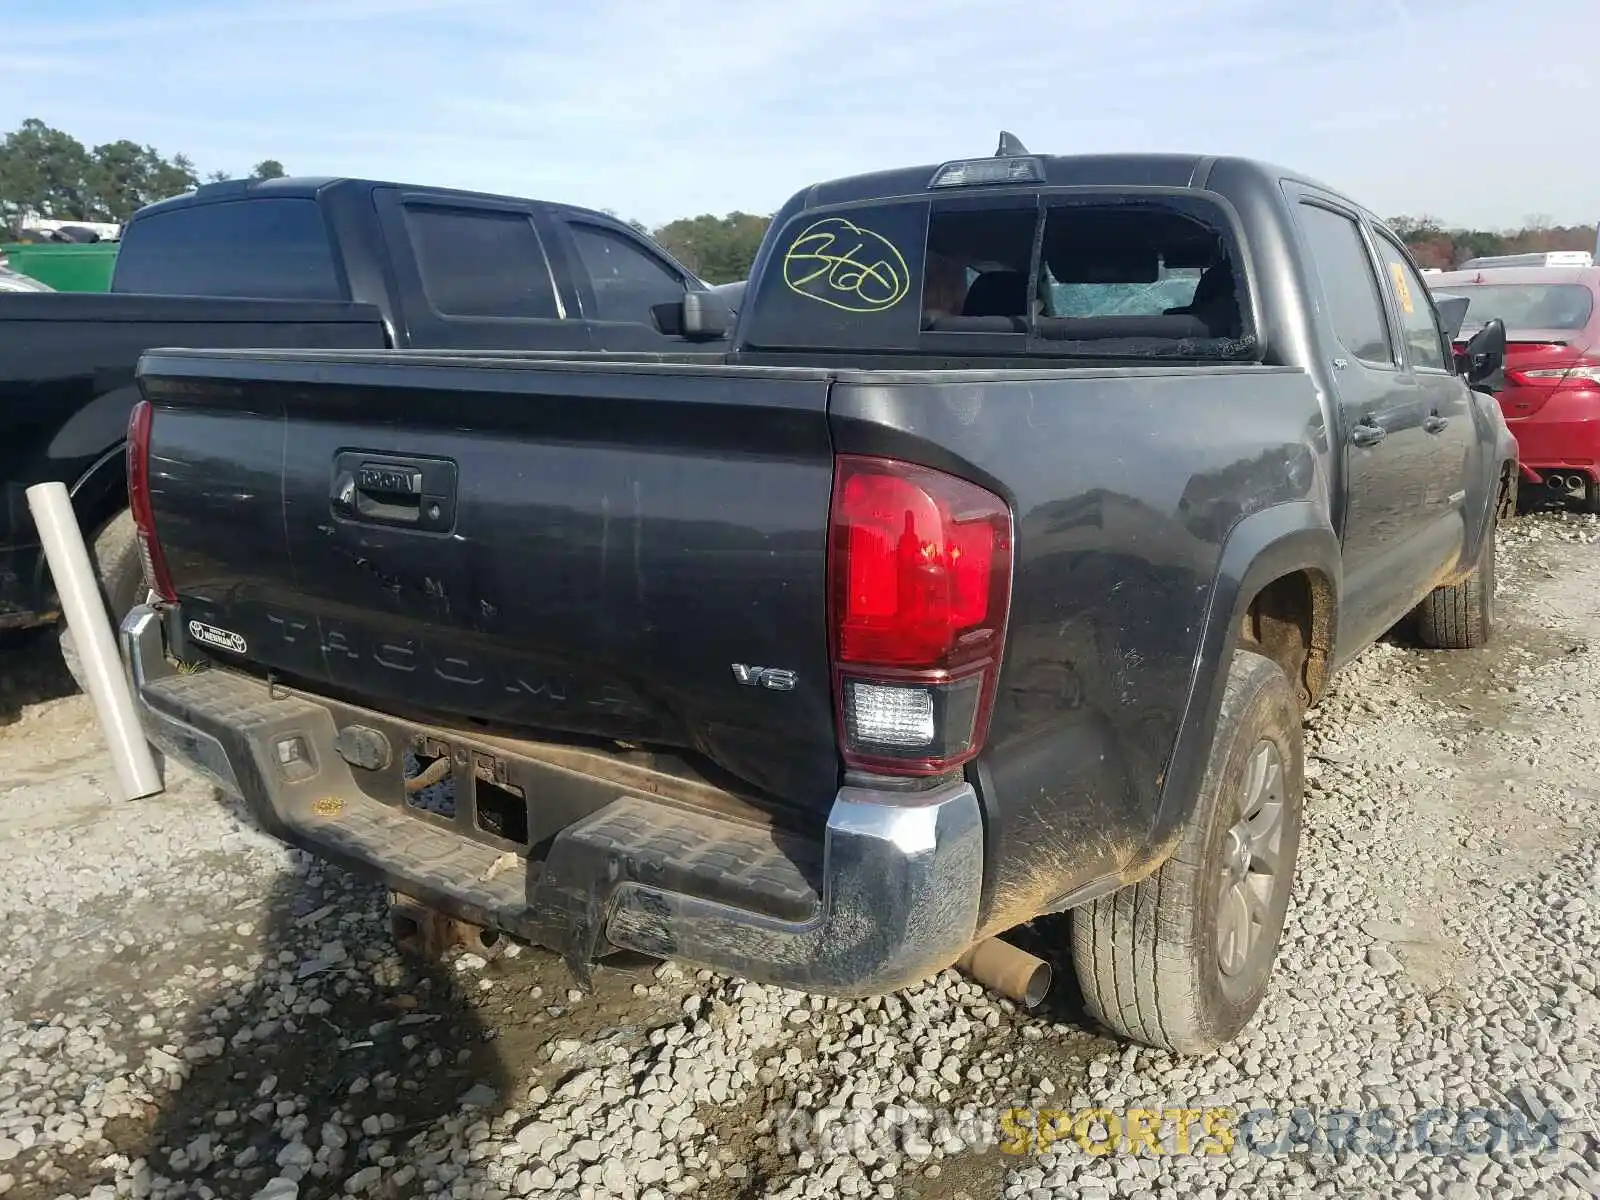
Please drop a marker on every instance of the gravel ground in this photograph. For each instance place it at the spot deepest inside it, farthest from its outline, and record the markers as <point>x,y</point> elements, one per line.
<point>189,1009</point>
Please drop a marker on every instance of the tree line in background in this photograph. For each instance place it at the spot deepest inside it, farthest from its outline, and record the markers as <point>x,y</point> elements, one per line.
<point>1434,245</point>
<point>718,249</point>
<point>48,173</point>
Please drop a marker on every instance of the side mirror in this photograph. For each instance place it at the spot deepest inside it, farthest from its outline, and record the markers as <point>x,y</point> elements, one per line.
<point>1452,313</point>
<point>706,316</point>
<point>1485,355</point>
<point>698,317</point>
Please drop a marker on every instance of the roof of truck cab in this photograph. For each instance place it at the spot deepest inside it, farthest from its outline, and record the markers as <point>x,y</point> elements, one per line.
<point>1063,170</point>
<point>309,187</point>
<point>297,186</point>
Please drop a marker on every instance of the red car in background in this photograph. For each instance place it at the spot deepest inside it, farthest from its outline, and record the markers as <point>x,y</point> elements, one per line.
<point>1551,397</point>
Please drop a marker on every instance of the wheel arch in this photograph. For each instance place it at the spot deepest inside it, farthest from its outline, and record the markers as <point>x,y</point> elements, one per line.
<point>101,492</point>
<point>1500,503</point>
<point>98,495</point>
<point>1272,560</point>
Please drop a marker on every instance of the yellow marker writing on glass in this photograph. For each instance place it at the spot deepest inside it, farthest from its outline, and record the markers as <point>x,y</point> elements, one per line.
<point>843,265</point>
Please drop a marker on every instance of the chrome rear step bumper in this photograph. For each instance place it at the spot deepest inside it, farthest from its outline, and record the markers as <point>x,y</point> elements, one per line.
<point>888,897</point>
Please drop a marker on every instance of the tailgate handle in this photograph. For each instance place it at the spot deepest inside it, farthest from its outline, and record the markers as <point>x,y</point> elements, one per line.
<point>389,493</point>
<point>417,493</point>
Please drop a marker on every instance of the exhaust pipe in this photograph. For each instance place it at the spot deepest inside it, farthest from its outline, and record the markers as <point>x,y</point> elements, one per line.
<point>1001,967</point>
<point>430,934</point>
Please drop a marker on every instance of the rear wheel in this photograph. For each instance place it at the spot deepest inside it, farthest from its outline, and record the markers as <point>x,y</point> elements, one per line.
<point>1460,616</point>
<point>115,558</point>
<point>1181,960</point>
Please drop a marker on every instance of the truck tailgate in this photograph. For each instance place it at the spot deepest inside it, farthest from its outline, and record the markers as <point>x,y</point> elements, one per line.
<point>602,556</point>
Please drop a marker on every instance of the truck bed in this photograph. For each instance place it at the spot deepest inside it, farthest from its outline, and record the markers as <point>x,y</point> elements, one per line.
<point>571,577</point>
<point>616,536</point>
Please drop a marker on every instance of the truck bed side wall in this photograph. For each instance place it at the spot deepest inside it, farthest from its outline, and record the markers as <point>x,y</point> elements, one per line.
<point>1125,487</point>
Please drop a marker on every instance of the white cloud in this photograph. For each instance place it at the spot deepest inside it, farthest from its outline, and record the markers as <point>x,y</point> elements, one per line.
<point>659,108</point>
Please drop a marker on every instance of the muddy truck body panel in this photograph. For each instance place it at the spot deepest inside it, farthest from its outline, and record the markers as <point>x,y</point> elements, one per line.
<point>1118,564</point>
<point>678,519</point>
<point>896,626</point>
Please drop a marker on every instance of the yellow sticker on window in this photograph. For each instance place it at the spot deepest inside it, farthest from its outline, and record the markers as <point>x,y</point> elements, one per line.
<point>1401,288</point>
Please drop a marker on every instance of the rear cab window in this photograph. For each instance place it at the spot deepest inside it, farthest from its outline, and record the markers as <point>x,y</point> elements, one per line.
<point>1158,272</point>
<point>272,248</point>
<point>1007,272</point>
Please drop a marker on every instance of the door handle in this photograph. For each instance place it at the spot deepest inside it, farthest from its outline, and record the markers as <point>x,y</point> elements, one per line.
<point>1435,423</point>
<point>1365,433</point>
<point>419,493</point>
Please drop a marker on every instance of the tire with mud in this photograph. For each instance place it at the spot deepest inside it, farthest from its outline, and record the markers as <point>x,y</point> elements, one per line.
<point>1182,959</point>
<point>115,557</point>
<point>1460,616</point>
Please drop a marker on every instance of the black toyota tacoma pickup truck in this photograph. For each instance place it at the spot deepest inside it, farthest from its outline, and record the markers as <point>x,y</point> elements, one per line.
<point>987,575</point>
<point>294,263</point>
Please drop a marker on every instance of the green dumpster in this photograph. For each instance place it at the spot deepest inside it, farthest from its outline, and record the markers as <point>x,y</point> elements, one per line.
<point>65,266</point>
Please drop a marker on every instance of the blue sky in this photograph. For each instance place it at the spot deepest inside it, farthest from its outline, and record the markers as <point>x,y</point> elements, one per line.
<point>1478,112</point>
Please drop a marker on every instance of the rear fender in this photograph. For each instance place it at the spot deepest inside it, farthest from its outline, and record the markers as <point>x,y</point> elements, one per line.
<point>1267,545</point>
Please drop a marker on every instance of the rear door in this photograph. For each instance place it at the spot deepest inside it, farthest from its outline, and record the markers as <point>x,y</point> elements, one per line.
<point>475,274</point>
<point>1382,409</point>
<point>1454,454</point>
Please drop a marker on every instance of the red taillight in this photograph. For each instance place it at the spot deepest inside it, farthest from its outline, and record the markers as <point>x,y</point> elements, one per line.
<point>1583,374</point>
<point>919,581</point>
<point>156,576</point>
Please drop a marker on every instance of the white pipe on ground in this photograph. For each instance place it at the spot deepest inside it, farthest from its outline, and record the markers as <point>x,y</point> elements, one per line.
<point>91,634</point>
